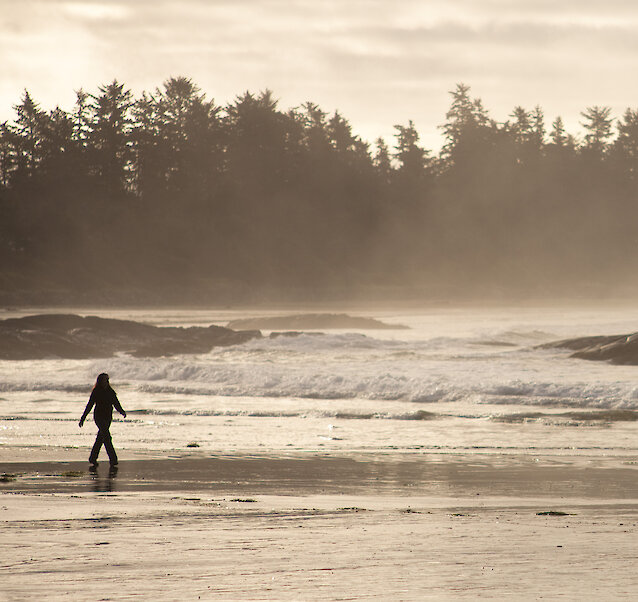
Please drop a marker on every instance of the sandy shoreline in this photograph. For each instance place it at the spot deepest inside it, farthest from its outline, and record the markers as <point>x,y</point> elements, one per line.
<point>433,474</point>
<point>318,527</point>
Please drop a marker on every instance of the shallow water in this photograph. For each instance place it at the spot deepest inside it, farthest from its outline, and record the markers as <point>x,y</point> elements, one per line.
<point>456,381</point>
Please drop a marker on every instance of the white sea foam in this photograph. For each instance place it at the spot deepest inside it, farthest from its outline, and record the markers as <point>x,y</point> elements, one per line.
<point>457,380</point>
<point>456,358</point>
<point>354,366</point>
<point>536,394</point>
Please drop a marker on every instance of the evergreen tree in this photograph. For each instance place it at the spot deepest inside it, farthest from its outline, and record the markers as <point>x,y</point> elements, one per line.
<point>294,199</point>
<point>626,145</point>
<point>382,160</point>
<point>58,163</point>
<point>558,135</point>
<point>110,137</point>
<point>522,125</point>
<point>151,161</point>
<point>411,158</point>
<point>190,132</point>
<point>256,140</point>
<point>465,129</point>
<point>81,117</point>
<point>7,154</point>
<point>538,131</point>
<point>598,124</point>
<point>317,139</point>
<point>340,134</point>
<point>28,127</point>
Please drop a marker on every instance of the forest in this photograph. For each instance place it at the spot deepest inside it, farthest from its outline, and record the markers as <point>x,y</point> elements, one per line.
<point>168,198</point>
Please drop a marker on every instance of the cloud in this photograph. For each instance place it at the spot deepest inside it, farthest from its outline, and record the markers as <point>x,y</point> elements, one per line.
<point>378,62</point>
<point>96,11</point>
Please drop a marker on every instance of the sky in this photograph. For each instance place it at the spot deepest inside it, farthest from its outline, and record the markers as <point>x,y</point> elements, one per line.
<point>378,62</point>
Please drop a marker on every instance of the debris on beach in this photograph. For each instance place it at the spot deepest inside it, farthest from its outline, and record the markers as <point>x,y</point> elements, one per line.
<point>74,474</point>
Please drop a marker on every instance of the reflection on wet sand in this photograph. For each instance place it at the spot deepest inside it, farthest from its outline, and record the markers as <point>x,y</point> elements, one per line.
<point>104,484</point>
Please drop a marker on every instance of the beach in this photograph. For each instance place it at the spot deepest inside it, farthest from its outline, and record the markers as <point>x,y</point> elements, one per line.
<point>458,458</point>
<point>319,527</point>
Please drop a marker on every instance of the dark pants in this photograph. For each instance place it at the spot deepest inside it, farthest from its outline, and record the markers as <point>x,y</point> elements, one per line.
<point>103,437</point>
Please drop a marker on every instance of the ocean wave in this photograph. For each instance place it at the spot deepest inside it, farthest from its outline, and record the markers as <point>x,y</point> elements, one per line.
<point>344,366</point>
<point>326,413</point>
<point>553,390</point>
<point>367,381</point>
<point>317,343</point>
<point>34,387</point>
<point>393,388</point>
<point>375,377</point>
<point>573,418</point>
<point>385,387</point>
<point>516,338</point>
<point>313,343</point>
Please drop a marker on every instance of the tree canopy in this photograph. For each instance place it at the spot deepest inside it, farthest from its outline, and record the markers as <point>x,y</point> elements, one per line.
<point>172,197</point>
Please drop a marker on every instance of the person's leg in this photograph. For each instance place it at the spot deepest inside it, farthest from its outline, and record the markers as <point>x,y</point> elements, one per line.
<point>108,444</point>
<point>97,446</point>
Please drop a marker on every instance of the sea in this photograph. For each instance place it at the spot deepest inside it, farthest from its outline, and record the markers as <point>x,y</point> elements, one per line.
<point>456,381</point>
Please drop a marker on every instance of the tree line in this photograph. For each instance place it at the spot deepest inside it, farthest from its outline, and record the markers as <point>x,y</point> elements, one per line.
<point>169,197</point>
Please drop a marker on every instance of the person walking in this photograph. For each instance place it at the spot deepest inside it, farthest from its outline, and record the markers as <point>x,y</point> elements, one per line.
<point>104,399</point>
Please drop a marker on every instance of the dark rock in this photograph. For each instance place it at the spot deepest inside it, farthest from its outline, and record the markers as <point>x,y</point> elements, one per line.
<point>553,513</point>
<point>313,322</point>
<point>617,349</point>
<point>71,336</point>
<point>292,333</point>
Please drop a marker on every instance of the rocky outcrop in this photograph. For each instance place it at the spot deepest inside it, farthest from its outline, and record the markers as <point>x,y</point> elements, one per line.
<point>617,349</point>
<point>76,337</point>
<point>313,322</point>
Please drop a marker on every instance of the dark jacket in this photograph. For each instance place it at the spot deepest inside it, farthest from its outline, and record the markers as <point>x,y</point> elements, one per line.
<point>104,401</point>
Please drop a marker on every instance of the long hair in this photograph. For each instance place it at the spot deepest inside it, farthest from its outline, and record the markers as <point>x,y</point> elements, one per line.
<point>101,380</point>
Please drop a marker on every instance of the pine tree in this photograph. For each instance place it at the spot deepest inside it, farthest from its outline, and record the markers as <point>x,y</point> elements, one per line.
<point>557,134</point>
<point>110,137</point>
<point>412,161</point>
<point>598,124</point>
<point>382,160</point>
<point>522,125</point>
<point>538,131</point>
<point>626,145</point>
<point>28,129</point>
<point>467,123</point>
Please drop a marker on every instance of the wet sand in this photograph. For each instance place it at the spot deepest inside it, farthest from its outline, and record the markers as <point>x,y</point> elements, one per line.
<point>317,527</point>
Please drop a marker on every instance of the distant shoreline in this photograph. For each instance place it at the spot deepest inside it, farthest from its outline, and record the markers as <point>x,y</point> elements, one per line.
<point>364,298</point>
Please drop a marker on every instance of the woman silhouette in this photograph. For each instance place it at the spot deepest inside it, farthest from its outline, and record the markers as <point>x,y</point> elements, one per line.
<point>104,399</point>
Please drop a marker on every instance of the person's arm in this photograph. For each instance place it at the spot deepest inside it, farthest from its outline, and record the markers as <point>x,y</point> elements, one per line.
<point>89,405</point>
<point>117,406</point>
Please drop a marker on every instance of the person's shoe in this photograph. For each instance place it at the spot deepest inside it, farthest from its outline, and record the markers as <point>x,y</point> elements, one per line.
<point>113,463</point>
<point>93,463</point>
